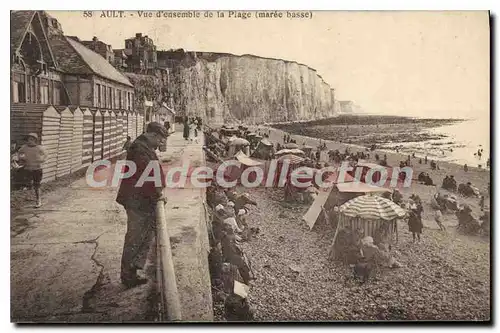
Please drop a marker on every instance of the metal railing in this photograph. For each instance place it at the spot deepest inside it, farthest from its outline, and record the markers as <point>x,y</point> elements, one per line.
<point>170,306</point>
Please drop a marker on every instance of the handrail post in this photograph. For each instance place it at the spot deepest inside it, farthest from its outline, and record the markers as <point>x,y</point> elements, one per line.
<point>169,293</point>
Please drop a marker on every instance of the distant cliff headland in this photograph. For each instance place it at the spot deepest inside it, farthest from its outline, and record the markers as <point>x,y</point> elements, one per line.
<point>368,130</point>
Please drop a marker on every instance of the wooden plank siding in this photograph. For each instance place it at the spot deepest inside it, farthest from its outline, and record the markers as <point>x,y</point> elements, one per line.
<point>113,134</point>
<point>124,127</point>
<point>97,136</point>
<point>106,135</point>
<point>51,122</point>
<point>119,132</point>
<point>77,141</point>
<point>64,143</point>
<point>140,125</point>
<point>26,118</point>
<point>87,138</point>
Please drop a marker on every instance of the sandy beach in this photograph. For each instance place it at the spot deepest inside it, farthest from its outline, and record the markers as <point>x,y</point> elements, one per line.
<point>444,277</point>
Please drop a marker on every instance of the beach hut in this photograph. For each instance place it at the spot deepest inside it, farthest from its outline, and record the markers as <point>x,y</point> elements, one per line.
<point>374,215</point>
<point>64,144</point>
<point>132,127</point>
<point>124,118</point>
<point>113,135</point>
<point>139,124</point>
<point>88,137</point>
<point>106,145</point>
<point>97,141</point>
<point>119,133</point>
<point>76,139</point>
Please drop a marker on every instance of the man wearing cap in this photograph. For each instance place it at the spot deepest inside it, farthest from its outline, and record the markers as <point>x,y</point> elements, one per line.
<point>32,155</point>
<point>139,200</point>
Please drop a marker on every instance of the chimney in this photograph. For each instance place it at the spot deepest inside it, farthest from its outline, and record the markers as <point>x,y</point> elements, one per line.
<point>138,35</point>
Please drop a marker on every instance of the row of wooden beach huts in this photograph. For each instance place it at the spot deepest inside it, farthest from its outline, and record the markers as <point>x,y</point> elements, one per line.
<point>74,137</point>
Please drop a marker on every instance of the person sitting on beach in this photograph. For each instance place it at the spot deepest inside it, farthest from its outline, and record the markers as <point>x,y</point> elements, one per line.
<point>422,176</point>
<point>427,180</point>
<point>433,165</point>
<point>397,197</point>
<point>466,168</point>
<point>453,184</point>
<point>446,182</point>
<point>387,195</point>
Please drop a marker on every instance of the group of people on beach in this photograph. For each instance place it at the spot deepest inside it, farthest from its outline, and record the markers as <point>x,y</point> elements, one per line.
<point>192,125</point>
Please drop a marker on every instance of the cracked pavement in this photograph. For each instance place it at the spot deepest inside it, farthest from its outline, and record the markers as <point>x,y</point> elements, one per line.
<point>65,260</point>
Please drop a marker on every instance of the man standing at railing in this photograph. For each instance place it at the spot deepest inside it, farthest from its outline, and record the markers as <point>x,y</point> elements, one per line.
<point>139,198</point>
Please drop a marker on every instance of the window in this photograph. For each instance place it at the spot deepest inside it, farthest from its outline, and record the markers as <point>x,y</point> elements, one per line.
<point>119,99</point>
<point>44,91</point>
<point>98,89</point>
<point>32,89</point>
<point>128,101</point>
<point>103,91</point>
<point>57,94</point>
<point>18,89</point>
<point>110,100</point>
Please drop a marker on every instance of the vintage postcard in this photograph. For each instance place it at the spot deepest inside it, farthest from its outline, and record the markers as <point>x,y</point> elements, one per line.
<point>250,166</point>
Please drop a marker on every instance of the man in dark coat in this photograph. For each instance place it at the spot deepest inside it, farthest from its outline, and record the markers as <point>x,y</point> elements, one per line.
<point>139,198</point>
<point>186,128</point>
<point>415,223</point>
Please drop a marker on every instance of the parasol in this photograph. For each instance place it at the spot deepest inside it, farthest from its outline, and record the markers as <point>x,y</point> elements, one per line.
<point>289,151</point>
<point>234,141</point>
<point>372,207</point>
<point>291,145</point>
<point>292,159</point>
<point>266,142</point>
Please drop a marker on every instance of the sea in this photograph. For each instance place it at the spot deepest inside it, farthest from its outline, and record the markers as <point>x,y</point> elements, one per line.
<point>461,143</point>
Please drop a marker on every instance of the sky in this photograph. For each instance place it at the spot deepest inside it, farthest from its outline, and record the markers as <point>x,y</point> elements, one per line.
<point>423,64</point>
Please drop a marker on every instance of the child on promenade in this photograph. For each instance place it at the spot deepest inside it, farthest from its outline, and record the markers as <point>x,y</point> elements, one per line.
<point>33,155</point>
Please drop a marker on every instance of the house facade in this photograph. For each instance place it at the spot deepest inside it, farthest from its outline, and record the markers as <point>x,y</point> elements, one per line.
<point>101,48</point>
<point>51,68</point>
<point>141,54</point>
<point>35,74</point>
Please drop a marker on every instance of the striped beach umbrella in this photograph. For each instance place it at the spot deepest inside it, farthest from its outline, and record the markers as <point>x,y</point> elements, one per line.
<point>372,207</point>
<point>291,145</point>
<point>292,159</point>
<point>297,152</point>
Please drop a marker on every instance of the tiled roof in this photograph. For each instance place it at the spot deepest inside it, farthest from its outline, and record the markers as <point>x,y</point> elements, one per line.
<point>68,60</point>
<point>98,64</point>
<point>75,58</point>
<point>19,21</point>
